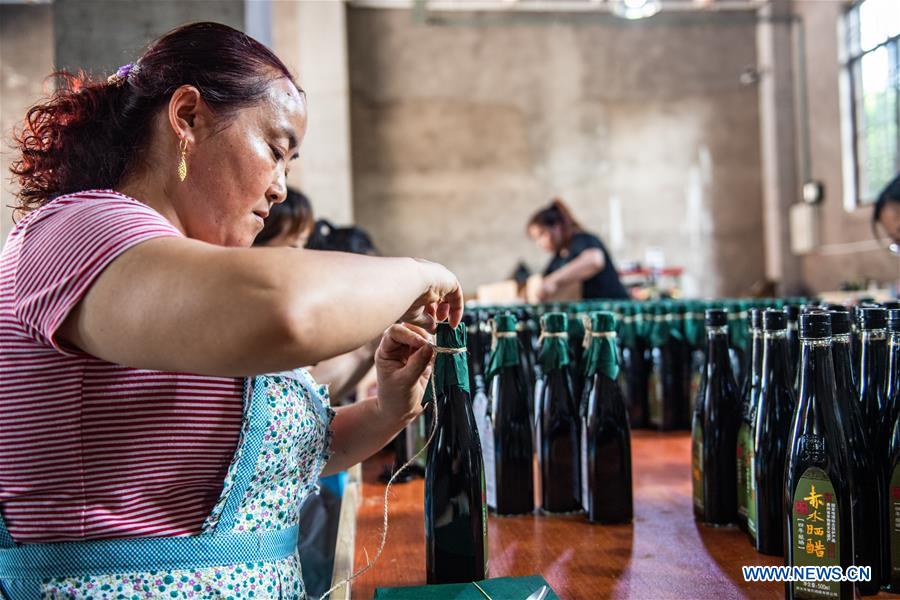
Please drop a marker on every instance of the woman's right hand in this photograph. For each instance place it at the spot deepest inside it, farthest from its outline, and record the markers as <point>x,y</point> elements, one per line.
<point>441,300</point>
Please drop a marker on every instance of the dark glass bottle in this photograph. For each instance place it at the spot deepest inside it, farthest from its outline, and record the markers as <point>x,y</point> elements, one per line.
<point>455,512</point>
<point>739,331</point>
<point>695,333</point>
<point>511,491</point>
<point>558,430</point>
<point>867,484</point>
<point>793,315</point>
<point>525,327</point>
<point>575,325</point>
<point>892,502</point>
<point>749,394</point>
<point>890,515</point>
<point>678,331</point>
<point>635,366</point>
<point>483,344</point>
<point>817,477</point>
<point>473,347</point>
<point>855,336</point>
<point>666,385</point>
<point>714,430</point>
<point>605,435</point>
<point>478,352</point>
<point>873,372</point>
<point>893,377</point>
<point>771,433</point>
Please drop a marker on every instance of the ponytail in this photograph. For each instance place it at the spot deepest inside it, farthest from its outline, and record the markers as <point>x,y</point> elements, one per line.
<point>82,137</point>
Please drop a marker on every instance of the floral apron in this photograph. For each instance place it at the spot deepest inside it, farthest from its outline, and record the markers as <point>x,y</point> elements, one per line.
<point>248,544</point>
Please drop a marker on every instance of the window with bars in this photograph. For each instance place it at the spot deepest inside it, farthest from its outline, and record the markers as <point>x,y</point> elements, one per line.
<point>872,72</point>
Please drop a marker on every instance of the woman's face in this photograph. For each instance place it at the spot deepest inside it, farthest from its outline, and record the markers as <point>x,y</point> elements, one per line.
<point>292,239</point>
<point>547,238</point>
<point>237,172</point>
<point>890,220</point>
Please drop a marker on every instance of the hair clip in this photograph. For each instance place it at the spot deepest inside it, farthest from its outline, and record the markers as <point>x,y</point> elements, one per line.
<point>121,74</point>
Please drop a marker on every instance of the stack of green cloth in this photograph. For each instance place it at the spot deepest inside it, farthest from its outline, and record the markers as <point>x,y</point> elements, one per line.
<point>502,588</point>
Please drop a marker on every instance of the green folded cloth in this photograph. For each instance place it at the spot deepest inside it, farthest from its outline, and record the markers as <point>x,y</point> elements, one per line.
<point>501,588</point>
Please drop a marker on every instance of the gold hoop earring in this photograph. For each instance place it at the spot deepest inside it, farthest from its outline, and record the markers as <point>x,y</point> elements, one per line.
<point>182,164</point>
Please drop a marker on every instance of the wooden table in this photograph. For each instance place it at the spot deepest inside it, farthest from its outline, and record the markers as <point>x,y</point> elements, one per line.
<point>663,554</point>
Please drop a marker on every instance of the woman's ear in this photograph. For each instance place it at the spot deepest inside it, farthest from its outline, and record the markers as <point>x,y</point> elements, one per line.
<point>189,116</point>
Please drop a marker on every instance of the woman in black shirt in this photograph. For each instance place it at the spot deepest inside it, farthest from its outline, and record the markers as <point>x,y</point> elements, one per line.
<point>887,213</point>
<point>578,255</point>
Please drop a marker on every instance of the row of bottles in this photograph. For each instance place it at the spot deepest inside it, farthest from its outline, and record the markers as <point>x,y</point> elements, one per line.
<point>570,439</point>
<point>661,349</point>
<point>806,459</point>
<point>534,408</point>
<point>492,448</point>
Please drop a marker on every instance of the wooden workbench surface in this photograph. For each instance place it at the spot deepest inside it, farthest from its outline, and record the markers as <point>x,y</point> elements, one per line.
<point>663,554</point>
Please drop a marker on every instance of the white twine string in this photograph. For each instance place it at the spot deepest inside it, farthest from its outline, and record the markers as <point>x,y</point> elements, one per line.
<point>558,334</point>
<point>590,333</point>
<point>387,489</point>
<point>496,335</point>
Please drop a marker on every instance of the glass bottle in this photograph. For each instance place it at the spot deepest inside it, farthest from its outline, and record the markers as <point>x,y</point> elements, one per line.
<point>714,430</point>
<point>558,429</point>
<point>456,546</point>
<point>818,477</point>
<point>605,435</point>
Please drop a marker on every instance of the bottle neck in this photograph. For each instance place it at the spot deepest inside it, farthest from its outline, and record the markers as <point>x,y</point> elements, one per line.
<point>873,354</point>
<point>554,352</point>
<point>894,360</point>
<point>717,345</point>
<point>841,350</point>
<point>817,383</point>
<point>842,354</point>
<point>757,348</point>
<point>776,353</point>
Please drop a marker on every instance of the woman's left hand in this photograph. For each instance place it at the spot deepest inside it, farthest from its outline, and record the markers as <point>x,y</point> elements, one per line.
<point>403,364</point>
<point>548,288</point>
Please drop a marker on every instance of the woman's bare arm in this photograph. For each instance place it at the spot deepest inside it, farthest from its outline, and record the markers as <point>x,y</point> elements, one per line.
<point>584,266</point>
<point>177,304</point>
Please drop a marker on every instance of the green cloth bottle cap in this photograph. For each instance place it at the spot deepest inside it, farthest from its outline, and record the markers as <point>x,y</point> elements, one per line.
<point>603,321</point>
<point>449,337</point>
<point>450,369</point>
<point>555,322</point>
<point>505,323</point>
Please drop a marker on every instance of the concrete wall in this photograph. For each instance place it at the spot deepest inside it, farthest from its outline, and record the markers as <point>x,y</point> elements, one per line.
<point>101,35</point>
<point>311,37</point>
<point>461,132</point>
<point>26,58</point>
<point>847,250</point>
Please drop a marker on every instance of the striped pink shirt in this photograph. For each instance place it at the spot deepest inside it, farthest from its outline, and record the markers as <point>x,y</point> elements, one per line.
<point>91,449</point>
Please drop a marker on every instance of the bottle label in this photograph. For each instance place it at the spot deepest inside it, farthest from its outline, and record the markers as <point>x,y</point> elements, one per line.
<point>895,523</point>
<point>815,526</point>
<point>697,463</point>
<point>584,467</point>
<point>696,379</point>
<point>486,437</point>
<point>751,489</point>
<point>743,436</point>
